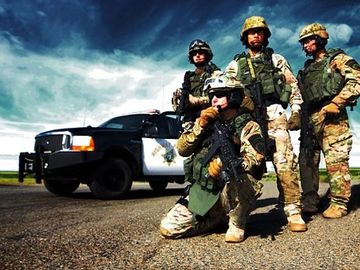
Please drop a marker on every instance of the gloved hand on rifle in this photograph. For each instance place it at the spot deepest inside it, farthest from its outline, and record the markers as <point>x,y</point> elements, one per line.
<point>247,105</point>
<point>294,122</point>
<point>175,100</point>
<point>331,108</point>
<point>207,115</point>
<point>215,166</point>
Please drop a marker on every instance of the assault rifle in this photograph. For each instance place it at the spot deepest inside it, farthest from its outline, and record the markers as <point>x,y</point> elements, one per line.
<point>307,137</point>
<point>222,145</point>
<point>260,114</point>
<point>184,98</point>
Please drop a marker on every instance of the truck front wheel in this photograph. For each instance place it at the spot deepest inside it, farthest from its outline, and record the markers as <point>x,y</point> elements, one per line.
<point>112,179</point>
<point>60,186</point>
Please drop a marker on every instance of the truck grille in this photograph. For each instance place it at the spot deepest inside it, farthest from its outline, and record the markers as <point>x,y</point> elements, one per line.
<point>51,142</point>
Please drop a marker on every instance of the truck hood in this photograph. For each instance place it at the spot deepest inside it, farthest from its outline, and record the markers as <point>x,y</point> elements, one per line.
<point>88,131</point>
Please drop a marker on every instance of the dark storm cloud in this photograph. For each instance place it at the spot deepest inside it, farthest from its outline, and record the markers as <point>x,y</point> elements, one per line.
<point>157,28</point>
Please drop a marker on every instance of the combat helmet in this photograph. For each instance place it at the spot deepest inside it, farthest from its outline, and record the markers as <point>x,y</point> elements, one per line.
<point>199,45</point>
<point>314,29</point>
<point>252,23</point>
<point>232,89</point>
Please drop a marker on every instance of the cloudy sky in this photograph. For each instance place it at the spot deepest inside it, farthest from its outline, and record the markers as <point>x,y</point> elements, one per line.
<point>69,63</point>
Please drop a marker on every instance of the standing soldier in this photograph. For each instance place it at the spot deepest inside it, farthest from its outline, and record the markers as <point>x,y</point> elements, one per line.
<point>329,82</point>
<point>189,100</point>
<point>272,86</point>
<point>228,150</point>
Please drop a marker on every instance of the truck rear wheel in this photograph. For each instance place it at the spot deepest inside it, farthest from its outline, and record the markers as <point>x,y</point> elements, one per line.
<point>60,185</point>
<point>112,179</point>
<point>158,185</point>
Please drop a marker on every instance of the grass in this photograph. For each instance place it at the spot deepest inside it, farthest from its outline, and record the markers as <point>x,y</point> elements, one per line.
<point>11,178</point>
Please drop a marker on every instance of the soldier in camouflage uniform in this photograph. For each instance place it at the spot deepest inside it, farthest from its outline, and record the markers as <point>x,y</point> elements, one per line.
<point>272,86</point>
<point>329,82</point>
<point>211,201</point>
<point>199,54</point>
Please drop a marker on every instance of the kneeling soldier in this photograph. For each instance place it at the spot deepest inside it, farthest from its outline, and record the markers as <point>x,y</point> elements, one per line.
<point>228,150</point>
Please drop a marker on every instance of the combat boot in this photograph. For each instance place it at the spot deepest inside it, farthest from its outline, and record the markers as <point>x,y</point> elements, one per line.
<point>309,209</point>
<point>296,223</point>
<point>234,234</point>
<point>334,211</point>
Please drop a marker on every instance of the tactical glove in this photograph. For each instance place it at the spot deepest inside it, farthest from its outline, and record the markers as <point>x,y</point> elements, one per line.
<point>207,115</point>
<point>175,100</point>
<point>247,105</point>
<point>215,168</point>
<point>331,108</point>
<point>294,122</point>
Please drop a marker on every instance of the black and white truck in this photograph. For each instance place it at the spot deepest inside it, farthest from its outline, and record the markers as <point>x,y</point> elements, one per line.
<point>108,158</point>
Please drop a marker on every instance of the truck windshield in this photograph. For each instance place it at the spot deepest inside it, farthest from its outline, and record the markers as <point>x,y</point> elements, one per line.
<point>127,122</point>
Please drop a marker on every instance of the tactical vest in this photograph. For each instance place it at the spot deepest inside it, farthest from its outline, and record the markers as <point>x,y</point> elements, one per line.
<point>274,88</point>
<point>204,193</point>
<point>318,82</point>
<point>196,83</point>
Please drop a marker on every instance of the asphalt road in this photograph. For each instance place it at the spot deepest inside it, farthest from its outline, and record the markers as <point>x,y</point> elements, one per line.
<point>43,231</point>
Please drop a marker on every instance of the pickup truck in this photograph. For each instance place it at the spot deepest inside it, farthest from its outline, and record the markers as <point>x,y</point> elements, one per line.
<point>108,158</point>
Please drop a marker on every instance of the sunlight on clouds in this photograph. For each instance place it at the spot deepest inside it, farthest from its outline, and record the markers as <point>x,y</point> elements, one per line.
<point>102,74</point>
<point>50,88</point>
<point>340,33</point>
<point>282,33</point>
<point>229,40</point>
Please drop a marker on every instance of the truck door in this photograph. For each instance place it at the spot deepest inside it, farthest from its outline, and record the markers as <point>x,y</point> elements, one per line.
<point>159,154</point>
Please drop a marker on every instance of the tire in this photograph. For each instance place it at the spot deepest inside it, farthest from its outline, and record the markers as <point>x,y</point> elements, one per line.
<point>158,185</point>
<point>60,185</point>
<point>112,179</point>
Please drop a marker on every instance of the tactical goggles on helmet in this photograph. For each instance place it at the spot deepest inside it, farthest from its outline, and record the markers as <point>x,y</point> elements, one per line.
<point>196,43</point>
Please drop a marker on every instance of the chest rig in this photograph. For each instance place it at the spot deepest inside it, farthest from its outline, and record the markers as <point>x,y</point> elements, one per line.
<point>260,69</point>
<point>319,83</point>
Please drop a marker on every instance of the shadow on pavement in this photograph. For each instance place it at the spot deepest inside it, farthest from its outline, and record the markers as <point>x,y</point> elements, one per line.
<point>133,194</point>
<point>268,224</point>
<point>265,202</point>
<point>141,194</point>
<point>355,197</point>
<point>353,204</point>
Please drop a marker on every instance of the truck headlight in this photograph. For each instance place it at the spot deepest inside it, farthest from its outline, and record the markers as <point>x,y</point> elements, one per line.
<point>82,143</point>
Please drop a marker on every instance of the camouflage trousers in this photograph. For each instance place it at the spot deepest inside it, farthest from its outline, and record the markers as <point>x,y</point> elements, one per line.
<point>285,164</point>
<point>235,203</point>
<point>334,139</point>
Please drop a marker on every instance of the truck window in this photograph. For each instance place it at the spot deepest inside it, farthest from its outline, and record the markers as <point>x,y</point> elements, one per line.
<point>128,122</point>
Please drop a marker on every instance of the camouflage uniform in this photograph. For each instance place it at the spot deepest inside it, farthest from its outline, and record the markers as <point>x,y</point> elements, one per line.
<point>210,204</point>
<point>331,131</point>
<point>198,98</point>
<point>278,73</point>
